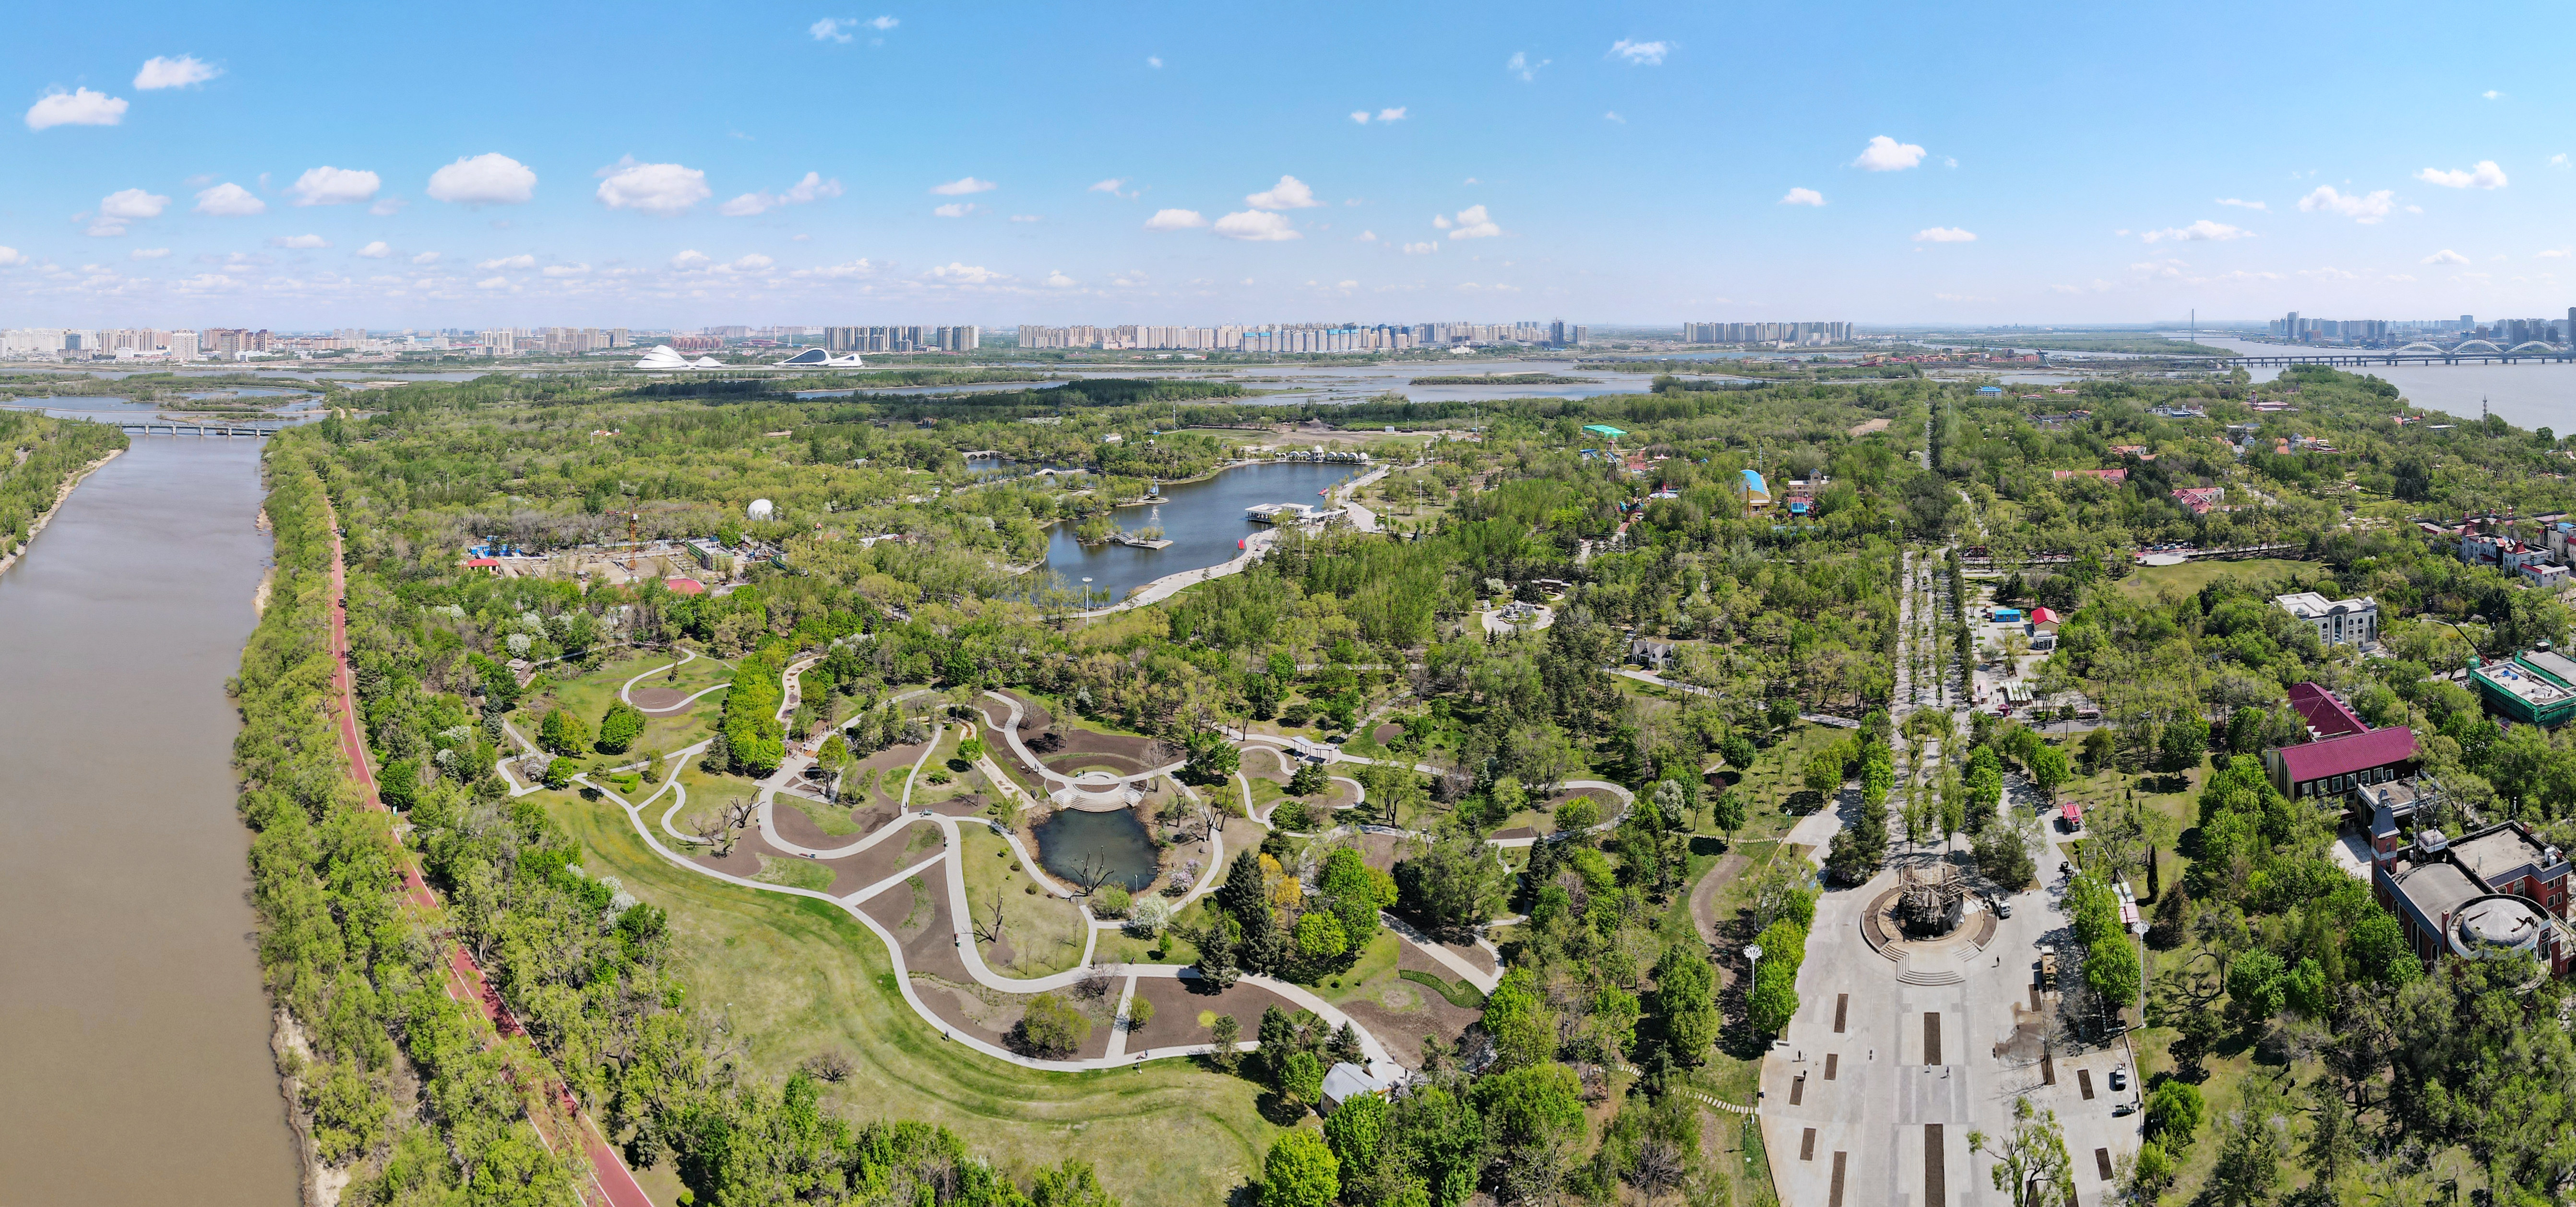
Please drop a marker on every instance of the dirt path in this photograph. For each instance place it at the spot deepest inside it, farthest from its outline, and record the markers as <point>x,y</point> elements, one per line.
<point>1703,898</point>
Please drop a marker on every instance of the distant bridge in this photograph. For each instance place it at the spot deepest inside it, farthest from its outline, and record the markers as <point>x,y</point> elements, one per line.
<point>204,427</point>
<point>2462,355</point>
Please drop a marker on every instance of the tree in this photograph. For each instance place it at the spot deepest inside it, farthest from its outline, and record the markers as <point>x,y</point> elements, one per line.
<point>1071,1184</point>
<point>1774,1000</point>
<point>1320,937</point>
<point>1534,1124</point>
<point>1685,988</point>
<point>1728,814</point>
<point>2031,1164</point>
<point>562,733</point>
<point>1300,1171</point>
<point>2249,1160</point>
<point>1301,1078</point>
<point>1051,1026</point>
<point>1519,1021</point>
<point>1356,1131</point>
<point>1824,771</point>
<point>1453,883</point>
<point>559,773</point>
<point>1308,779</point>
<point>619,728</point>
<point>1738,751</point>
<point>2048,769</point>
<point>1225,1033</point>
<point>1212,759</point>
<point>2174,1112</point>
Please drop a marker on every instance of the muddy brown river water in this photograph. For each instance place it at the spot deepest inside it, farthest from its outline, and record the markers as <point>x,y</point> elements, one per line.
<point>134,1065</point>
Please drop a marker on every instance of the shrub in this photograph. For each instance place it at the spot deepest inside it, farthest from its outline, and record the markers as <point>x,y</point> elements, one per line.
<point>1140,1011</point>
<point>1580,813</point>
<point>1147,917</point>
<point>1052,1027</point>
<point>1111,902</point>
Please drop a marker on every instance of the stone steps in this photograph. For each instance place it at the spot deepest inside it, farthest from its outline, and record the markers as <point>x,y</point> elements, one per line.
<point>1916,976</point>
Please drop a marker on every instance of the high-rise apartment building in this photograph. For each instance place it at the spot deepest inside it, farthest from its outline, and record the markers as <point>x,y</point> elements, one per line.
<point>1795,334</point>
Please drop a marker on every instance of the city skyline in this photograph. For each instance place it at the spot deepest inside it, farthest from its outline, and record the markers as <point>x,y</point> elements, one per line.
<point>1621,166</point>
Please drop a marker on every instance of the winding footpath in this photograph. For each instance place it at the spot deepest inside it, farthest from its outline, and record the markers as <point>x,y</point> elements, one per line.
<point>609,1177</point>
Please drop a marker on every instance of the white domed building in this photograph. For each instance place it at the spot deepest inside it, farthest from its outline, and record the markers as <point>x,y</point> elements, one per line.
<point>761,509</point>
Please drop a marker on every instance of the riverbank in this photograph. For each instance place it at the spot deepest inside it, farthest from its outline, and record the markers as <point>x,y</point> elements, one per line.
<point>61,494</point>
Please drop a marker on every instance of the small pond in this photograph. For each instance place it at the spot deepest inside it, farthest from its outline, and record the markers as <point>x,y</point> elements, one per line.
<point>1072,836</point>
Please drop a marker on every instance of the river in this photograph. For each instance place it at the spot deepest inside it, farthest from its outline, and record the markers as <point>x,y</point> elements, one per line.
<point>2528,394</point>
<point>1203,520</point>
<point>133,1029</point>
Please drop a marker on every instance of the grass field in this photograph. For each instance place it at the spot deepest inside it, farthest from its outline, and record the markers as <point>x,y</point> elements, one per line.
<point>2146,582</point>
<point>794,977</point>
<point>1045,933</point>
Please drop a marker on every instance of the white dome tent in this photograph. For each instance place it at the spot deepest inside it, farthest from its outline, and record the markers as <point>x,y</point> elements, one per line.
<point>761,509</point>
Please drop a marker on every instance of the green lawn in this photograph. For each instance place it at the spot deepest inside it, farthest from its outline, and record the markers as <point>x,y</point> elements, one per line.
<point>1044,933</point>
<point>2146,581</point>
<point>794,873</point>
<point>794,976</point>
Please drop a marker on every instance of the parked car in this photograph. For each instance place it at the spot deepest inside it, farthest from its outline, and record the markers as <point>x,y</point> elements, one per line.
<point>2120,1078</point>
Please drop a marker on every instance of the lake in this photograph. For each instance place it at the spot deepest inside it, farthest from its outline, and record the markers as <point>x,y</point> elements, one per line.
<point>1203,520</point>
<point>2528,394</point>
<point>1114,839</point>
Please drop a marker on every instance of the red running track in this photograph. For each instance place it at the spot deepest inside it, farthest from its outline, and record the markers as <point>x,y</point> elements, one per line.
<point>609,1175</point>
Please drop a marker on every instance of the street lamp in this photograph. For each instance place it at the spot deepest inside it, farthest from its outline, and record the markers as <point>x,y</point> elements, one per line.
<point>1752,958</point>
<point>1086,595</point>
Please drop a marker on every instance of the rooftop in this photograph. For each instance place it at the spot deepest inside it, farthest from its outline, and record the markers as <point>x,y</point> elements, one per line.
<point>2349,753</point>
<point>2308,605</point>
<point>2326,712</point>
<point>2503,854</point>
<point>2436,888</point>
<point>2550,687</point>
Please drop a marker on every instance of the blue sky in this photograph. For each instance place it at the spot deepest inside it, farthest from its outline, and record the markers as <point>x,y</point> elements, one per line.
<point>306,165</point>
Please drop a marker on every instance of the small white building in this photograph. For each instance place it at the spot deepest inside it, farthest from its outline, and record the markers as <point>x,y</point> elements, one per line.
<point>2338,621</point>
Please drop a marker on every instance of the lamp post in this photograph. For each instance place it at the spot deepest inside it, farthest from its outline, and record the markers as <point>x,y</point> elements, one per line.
<point>1086,596</point>
<point>1753,959</point>
<point>2139,929</point>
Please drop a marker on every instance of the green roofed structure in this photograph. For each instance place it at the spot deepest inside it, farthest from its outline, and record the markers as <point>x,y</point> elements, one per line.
<point>2535,687</point>
<point>1603,430</point>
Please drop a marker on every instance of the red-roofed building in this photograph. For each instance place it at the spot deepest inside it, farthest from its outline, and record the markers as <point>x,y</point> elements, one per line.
<point>685,586</point>
<point>2107,475</point>
<point>2044,620</point>
<point>491,565</point>
<point>2327,715</point>
<point>2336,766</point>
<point>2201,499</point>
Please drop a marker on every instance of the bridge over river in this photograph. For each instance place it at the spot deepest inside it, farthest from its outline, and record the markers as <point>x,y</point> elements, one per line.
<point>204,427</point>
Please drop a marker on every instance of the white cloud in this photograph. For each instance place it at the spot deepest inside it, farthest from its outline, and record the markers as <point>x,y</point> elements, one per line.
<point>11,257</point>
<point>1440,220</point>
<point>2559,160</point>
<point>2446,256</point>
<point>1360,115</point>
<point>829,29</point>
<point>1366,237</point>
<point>301,242</point>
<point>1802,197</point>
<point>230,201</point>
<point>566,270</point>
<point>690,261</point>
<point>81,108</point>
<point>882,24</point>
<point>1289,194</point>
<point>1473,224</point>
<point>377,250</point>
<point>2243,204</point>
<point>1884,154</point>
<point>2201,231</point>
<point>2492,94</point>
<point>522,261</point>
<point>2365,209</point>
<point>425,258</point>
<point>1055,279</point>
<point>812,188</point>
<point>487,179</point>
<point>967,274</point>
<point>835,272</point>
<point>493,283</point>
<point>1640,54</point>
<point>2484,176</point>
<point>105,229</point>
<point>149,253</point>
<point>751,262</point>
<point>659,189</point>
<point>1111,186</point>
<point>2554,253</point>
<point>333,186</point>
<point>1613,116</point>
<point>387,207</point>
<point>1950,161</point>
<point>127,205</point>
<point>1256,226</point>
<point>1420,249</point>
<point>962,186</point>
<point>1173,220</point>
<point>1943,234</point>
<point>180,72</point>
<point>1395,114</point>
<point>1154,61</point>
<point>956,209</point>
<point>1519,66</point>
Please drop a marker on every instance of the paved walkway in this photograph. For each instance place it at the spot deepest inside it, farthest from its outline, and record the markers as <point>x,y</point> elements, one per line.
<point>687,656</point>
